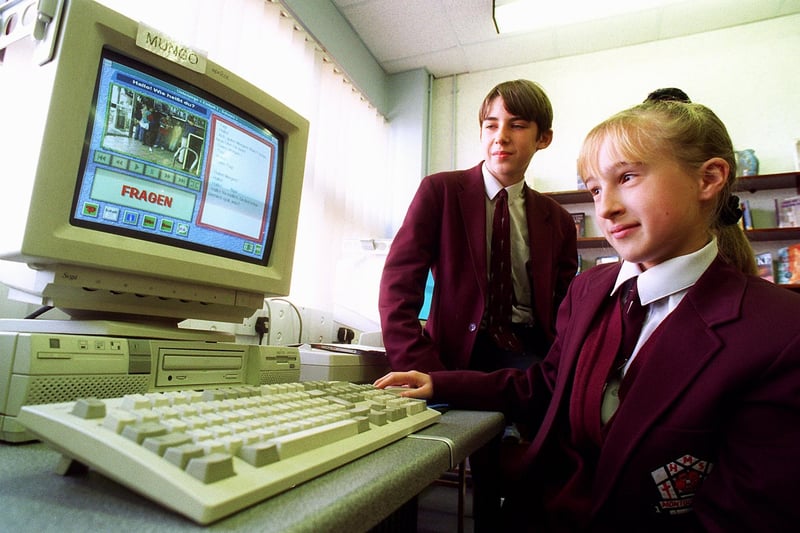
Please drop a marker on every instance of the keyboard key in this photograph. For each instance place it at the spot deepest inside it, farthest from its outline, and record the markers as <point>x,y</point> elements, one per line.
<point>378,418</point>
<point>346,403</point>
<point>309,439</point>
<point>363,423</point>
<point>176,398</point>
<point>396,413</point>
<point>196,422</point>
<point>232,443</point>
<point>416,407</point>
<point>161,443</point>
<point>211,468</point>
<point>132,402</point>
<point>158,400</point>
<point>117,419</point>
<point>140,431</point>
<point>175,425</point>
<point>359,411</point>
<point>180,455</point>
<point>199,435</point>
<point>259,453</point>
<point>145,415</point>
<point>89,408</point>
<point>213,394</point>
<point>211,446</point>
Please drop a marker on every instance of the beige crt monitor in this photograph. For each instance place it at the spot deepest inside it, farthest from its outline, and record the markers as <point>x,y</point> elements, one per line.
<point>192,216</point>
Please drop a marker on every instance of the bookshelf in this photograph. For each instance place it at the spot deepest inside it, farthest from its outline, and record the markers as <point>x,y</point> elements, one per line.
<point>784,180</point>
<point>764,238</point>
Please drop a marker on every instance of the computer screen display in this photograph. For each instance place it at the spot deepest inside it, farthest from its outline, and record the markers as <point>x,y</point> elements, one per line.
<point>167,162</point>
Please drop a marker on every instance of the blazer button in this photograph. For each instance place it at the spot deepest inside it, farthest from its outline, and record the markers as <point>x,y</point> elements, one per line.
<point>473,327</point>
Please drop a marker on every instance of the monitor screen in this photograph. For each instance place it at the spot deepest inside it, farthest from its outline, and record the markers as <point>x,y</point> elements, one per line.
<point>144,187</point>
<point>167,162</point>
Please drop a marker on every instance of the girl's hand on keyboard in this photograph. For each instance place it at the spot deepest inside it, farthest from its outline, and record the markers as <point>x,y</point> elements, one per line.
<point>417,384</point>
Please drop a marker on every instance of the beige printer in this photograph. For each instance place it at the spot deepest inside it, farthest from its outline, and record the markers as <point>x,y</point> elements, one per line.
<point>342,362</point>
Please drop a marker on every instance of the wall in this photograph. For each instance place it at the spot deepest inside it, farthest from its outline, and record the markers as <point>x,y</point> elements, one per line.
<point>409,104</point>
<point>403,98</point>
<point>323,21</point>
<point>748,75</point>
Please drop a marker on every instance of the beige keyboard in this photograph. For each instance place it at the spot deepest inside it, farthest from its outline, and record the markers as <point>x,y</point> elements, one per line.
<point>208,454</point>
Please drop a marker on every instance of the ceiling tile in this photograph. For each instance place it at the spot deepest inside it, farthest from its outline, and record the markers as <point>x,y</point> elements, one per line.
<point>449,37</point>
<point>605,34</point>
<point>441,63</point>
<point>392,30</point>
<point>471,20</point>
<point>512,50</point>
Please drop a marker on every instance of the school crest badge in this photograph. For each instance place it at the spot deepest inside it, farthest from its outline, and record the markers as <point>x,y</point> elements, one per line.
<point>678,481</point>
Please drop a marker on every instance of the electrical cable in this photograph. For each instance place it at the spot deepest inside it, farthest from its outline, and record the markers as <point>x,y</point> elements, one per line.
<point>39,312</point>
<point>297,312</point>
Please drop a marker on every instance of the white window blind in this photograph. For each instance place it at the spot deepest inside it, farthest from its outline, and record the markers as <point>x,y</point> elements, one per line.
<point>347,175</point>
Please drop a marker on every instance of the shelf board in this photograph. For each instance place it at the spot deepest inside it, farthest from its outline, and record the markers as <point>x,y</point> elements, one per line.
<point>784,180</point>
<point>571,197</point>
<point>773,234</point>
<point>755,235</point>
<point>593,242</point>
<point>763,182</point>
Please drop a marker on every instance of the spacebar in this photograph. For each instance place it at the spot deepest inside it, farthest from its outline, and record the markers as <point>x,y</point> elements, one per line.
<point>309,439</point>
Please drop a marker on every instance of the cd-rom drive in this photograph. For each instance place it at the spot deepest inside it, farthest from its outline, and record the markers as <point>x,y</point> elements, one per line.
<point>200,366</point>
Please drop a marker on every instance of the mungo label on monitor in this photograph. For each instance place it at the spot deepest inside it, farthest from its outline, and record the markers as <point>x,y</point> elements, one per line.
<point>164,46</point>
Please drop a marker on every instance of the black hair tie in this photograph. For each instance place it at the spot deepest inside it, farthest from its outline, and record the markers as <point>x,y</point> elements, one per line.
<point>731,211</point>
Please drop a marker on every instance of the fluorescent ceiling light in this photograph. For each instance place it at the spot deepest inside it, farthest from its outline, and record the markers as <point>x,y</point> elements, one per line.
<point>530,15</point>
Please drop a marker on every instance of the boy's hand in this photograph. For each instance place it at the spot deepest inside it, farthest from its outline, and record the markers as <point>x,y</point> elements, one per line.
<point>419,385</point>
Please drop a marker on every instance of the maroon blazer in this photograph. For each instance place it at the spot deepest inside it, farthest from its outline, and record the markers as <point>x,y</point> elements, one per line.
<point>710,426</point>
<point>445,231</point>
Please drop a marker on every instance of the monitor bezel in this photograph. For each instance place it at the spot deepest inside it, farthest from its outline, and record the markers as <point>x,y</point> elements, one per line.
<point>271,218</point>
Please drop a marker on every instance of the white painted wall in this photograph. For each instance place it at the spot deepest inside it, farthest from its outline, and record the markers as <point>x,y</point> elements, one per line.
<point>748,75</point>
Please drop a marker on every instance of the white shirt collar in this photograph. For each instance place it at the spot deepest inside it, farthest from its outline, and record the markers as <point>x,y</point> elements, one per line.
<point>669,277</point>
<point>492,186</point>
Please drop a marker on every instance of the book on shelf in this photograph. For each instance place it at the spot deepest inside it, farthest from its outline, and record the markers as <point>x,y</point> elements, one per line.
<point>606,259</point>
<point>747,215</point>
<point>788,212</point>
<point>788,265</point>
<point>580,223</point>
<point>765,266</point>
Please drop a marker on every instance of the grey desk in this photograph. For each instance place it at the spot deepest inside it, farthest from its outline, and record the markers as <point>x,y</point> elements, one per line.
<point>354,497</point>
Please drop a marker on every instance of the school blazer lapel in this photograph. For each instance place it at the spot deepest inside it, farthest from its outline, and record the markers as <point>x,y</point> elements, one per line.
<point>585,297</point>
<point>540,240</point>
<point>673,361</point>
<point>540,236</point>
<point>471,201</point>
